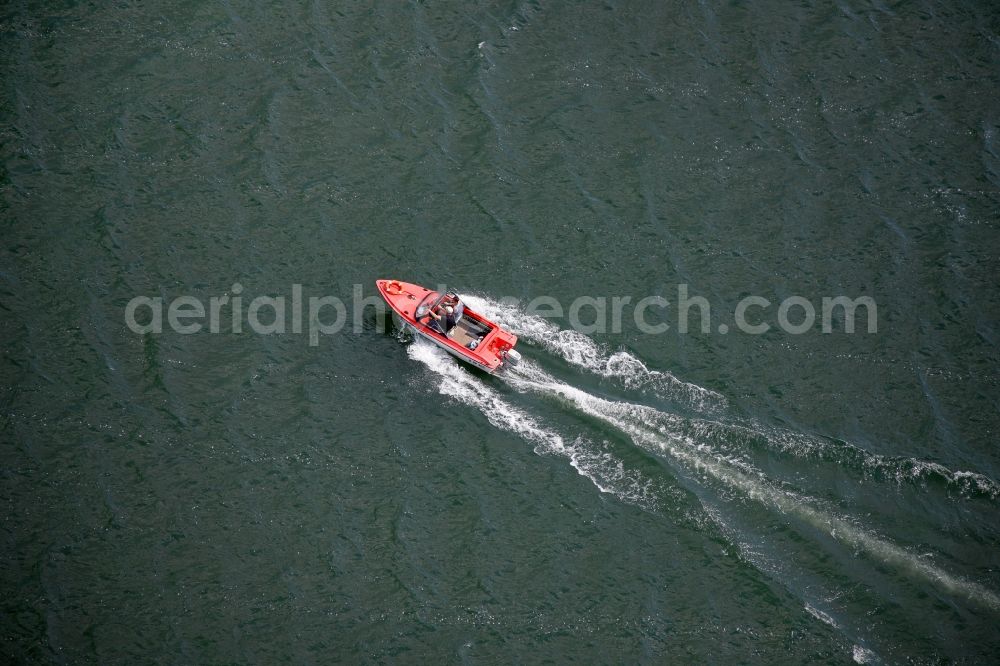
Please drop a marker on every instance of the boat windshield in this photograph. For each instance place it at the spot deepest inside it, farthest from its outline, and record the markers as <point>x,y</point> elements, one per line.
<point>434,300</point>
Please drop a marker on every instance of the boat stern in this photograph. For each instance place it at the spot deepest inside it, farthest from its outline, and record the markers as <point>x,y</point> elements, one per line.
<point>497,350</point>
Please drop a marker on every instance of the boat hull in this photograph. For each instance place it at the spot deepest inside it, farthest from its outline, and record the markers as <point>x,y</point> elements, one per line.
<point>489,352</point>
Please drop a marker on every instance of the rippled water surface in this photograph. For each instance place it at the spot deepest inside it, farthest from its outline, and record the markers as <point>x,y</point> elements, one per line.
<point>619,496</point>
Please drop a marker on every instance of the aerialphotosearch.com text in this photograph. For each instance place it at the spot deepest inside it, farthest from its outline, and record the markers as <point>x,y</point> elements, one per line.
<point>234,312</point>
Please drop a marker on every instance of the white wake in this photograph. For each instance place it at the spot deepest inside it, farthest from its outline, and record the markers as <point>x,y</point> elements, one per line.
<point>602,468</point>
<point>648,429</point>
<point>580,350</point>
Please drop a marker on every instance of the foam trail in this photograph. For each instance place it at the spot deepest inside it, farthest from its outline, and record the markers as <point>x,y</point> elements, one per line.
<point>580,350</point>
<point>602,468</point>
<point>872,465</point>
<point>743,435</point>
<point>635,420</point>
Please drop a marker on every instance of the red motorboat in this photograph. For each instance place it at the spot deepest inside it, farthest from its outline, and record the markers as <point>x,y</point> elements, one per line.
<point>443,319</point>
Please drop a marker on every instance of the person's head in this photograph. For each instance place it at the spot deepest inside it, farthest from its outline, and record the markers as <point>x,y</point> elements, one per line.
<point>449,309</point>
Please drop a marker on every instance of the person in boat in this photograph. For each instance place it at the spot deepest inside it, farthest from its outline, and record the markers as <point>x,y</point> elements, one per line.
<point>444,317</point>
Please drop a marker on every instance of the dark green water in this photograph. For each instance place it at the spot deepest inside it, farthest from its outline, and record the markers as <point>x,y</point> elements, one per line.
<point>621,497</point>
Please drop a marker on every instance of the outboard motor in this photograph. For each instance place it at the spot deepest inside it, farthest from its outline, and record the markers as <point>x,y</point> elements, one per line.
<point>512,357</point>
